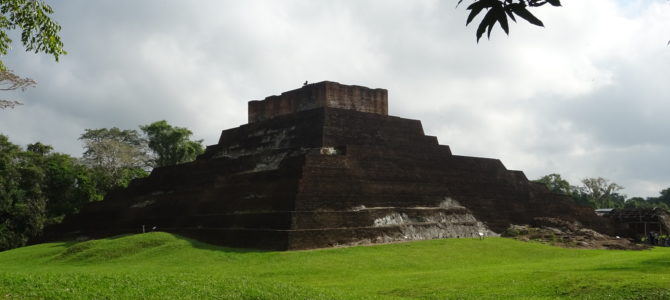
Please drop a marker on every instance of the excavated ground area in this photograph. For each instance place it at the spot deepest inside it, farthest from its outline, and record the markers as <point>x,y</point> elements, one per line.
<point>561,233</point>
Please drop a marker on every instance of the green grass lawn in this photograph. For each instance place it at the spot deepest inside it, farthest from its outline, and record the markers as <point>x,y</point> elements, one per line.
<point>165,266</point>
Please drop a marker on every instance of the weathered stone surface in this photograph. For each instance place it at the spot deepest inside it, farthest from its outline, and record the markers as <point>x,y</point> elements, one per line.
<point>300,176</point>
<point>317,95</point>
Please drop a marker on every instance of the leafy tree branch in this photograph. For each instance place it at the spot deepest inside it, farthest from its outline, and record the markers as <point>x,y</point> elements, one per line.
<point>39,34</point>
<point>499,11</point>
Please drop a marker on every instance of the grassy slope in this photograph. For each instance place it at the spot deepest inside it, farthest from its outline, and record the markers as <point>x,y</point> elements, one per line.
<point>162,266</point>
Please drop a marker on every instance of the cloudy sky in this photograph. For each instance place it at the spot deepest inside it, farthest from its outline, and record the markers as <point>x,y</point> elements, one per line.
<point>586,96</point>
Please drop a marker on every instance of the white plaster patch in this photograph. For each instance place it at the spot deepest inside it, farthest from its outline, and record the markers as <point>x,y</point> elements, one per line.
<point>270,162</point>
<point>392,219</point>
<point>329,151</point>
<point>358,208</point>
<point>440,224</point>
<point>450,203</point>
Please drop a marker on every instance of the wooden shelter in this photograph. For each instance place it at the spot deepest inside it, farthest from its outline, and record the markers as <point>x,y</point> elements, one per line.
<point>642,221</point>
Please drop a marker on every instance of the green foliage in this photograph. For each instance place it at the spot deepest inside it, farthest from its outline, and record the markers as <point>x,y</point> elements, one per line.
<point>39,148</point>
<point>637,202</point>
<point>68,185</point>
<point>38,187</point>
<point>164,266</point>
<point>555,183</point>
<point>115,156</point>
<point>601,193</point>
<point>594,192</point>
<point>22,201</point>
<point>598,193</point>
<point>38,32</point>
<point>662,201</point>
<point>497,11</point>
<point>171,145</point>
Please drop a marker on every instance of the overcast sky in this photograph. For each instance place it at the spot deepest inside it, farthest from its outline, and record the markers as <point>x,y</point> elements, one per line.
<point>586,96</point>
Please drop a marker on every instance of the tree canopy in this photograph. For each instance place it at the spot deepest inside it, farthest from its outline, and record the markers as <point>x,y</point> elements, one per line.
<point>172,145</point>
<point>116,156</point>
<point>39,33</point>
<point>601,191</point>
<point>38,187</point>
<point>555,183</point>
<point>598,192</point>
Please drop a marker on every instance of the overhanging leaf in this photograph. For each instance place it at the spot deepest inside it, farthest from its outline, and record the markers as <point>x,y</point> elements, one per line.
<point>521,11</point>
<point>476,8</point>
<point>488,22</point>
<point>554,2</point>
<point>472,15</point>
<point>508,11</point>
<point>497,15</point>
<point>502,19</point>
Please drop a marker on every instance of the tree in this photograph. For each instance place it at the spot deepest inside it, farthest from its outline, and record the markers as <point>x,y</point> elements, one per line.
<point>39,33</point>
<point>639,202</point>
<point>10,81</point>
<point>555,183</point>
<point>616,200</point>
<point>498,11</point>
<point>22,202</point>
<point>38,187</point>
<point>662,201</point>
<point>116,156</point>
<point>39,148</point>
<point>664,197</point>
<point>635,202</point>
<point>594,192</point>
<point>171,145</point>
<point>67,183</point>
<point>601,192</point>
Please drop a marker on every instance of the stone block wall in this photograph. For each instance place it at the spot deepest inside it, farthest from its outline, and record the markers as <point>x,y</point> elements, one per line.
<point>321,94</point>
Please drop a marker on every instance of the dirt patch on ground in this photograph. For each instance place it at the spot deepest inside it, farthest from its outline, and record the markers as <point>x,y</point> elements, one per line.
<point>561,233</point>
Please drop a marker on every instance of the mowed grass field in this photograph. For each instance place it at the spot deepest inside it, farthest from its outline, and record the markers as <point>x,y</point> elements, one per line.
<point>165,266</point>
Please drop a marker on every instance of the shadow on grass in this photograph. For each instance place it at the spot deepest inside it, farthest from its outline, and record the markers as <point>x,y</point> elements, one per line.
<point>75,246</point>
<point>206,246</point>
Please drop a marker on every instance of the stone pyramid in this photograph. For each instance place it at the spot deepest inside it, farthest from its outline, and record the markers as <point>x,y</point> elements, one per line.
<point>321,166</point>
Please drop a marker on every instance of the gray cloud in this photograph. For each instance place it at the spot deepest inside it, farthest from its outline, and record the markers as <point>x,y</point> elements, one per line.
<point>584,96</point>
